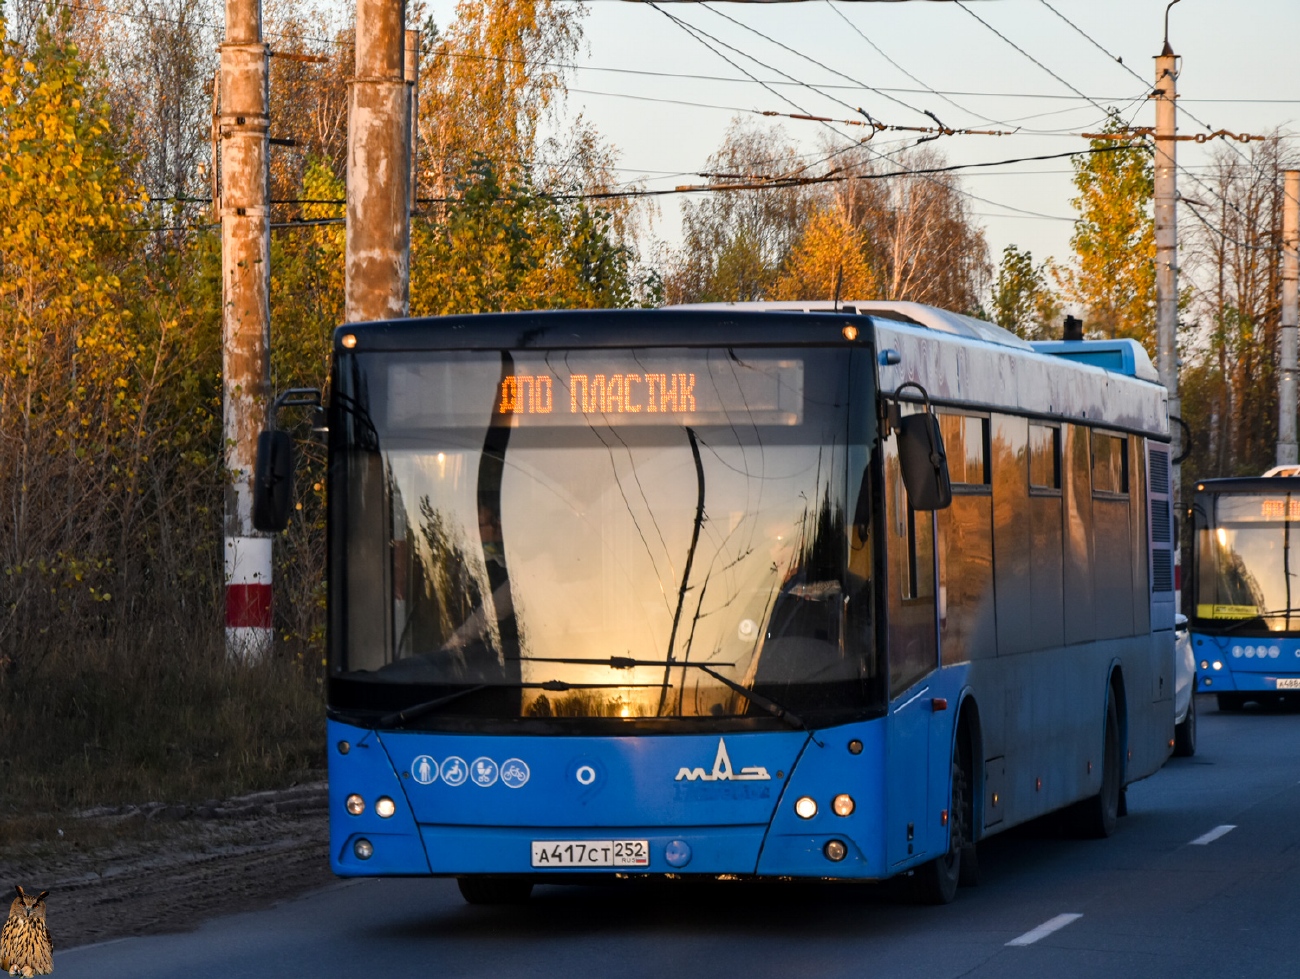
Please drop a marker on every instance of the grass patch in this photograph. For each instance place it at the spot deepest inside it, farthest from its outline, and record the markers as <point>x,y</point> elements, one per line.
<point>126,720</point>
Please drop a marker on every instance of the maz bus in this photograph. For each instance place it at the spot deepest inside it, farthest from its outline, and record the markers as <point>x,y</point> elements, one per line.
<point>1246,619</point>
<point>694,592</point>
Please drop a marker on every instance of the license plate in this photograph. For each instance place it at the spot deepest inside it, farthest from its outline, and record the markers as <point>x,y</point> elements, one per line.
<point>591,853</point>
<point>1288,683</point>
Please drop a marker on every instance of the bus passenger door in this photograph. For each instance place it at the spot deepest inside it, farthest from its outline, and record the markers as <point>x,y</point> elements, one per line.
<point>913,653</point>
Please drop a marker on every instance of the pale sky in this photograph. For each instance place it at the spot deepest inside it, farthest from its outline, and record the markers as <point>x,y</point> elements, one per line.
<point>1238,73</point>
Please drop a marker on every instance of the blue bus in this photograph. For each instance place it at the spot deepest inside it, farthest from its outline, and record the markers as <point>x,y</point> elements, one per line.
<point>804,592</point>
<point>1245,606</point>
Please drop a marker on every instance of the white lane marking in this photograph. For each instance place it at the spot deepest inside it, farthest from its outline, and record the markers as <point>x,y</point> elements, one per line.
<point>1212,835</point>
<point>1045,929</point>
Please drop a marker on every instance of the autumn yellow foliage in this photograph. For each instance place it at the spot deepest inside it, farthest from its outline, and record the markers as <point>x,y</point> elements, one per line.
<point>70,362</point>
<point>828,261</point>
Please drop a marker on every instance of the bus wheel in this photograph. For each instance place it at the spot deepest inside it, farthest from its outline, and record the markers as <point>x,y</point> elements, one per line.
<point>936,881</point>
<point>1185,733</point>
<point>1099,815</point>
<point>494,890</point>
<point>963,815</point>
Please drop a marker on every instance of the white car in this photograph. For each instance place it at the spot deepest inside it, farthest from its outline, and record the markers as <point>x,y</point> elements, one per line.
<point>1184,689</point>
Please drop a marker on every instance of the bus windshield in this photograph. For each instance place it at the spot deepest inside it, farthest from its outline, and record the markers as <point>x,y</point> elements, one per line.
<point>1248,562</point>
<point>593,534</point>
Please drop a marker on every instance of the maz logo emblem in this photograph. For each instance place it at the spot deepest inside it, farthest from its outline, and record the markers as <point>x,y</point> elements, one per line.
<point>722,771</point>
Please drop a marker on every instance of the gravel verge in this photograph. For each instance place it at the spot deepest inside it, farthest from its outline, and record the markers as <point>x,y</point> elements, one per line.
<point>138,870</point>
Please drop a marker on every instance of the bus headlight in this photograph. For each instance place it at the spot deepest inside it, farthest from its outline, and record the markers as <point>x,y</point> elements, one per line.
<point>1205,664</point>
<point>805,807</point>
<point>385,807</point>
<point>842,805</point>
<point>355,804</point>
<point>1218,665</point>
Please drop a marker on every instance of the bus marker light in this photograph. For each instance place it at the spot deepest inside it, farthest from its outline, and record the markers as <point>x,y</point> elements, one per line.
<point>855,747</point>
<point>850,332</point>
<point>995,798</point>
<point>385,807</point>
<point>1171,742</point>
<point>938,704</point>
<point>843,805</point>
<point>835,851</point>
<point>677,853</point>
<point>805,807</point>
<point>943,817</point>
<point>344,747</point>
<point>1208,681</point>
<point>355,804</point>
<point>364,849</point>
<point>349,340</point>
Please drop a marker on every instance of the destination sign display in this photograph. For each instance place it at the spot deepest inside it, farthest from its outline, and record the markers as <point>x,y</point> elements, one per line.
<point>1257,508</point>
<point>1273,509</point>
<point>581,388</point>
<point>695,391</point>
<point>602,394</point>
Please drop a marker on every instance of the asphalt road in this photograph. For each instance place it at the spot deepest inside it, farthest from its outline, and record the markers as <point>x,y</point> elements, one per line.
<point>1173,893</point>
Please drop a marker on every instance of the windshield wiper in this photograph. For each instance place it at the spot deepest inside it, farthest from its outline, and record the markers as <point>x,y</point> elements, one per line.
<point>614,662</point>
<point>416,711</point>
<point>1276,613</point>
<point>627,663</point>
<point>771,706</point>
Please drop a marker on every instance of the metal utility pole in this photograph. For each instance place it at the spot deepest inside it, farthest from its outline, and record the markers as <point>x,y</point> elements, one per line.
<point>1166,191</point>
<point>379,171</point>
<point>245,319</point>
<point>1286,393</point>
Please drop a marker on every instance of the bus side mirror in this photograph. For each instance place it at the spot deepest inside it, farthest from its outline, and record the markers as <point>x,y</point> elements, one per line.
<point>273,481</point>
<point>924,462</point>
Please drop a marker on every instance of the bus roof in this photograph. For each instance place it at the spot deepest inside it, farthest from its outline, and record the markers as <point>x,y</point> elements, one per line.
<point>1121,356</point>
<point>959,360</point>
<point>1249,484</point>
<point>917,314</point>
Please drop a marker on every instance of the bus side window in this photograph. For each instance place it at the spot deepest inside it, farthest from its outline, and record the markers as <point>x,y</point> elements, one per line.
<point>966,439</point>
<point>911,614</point>
<point>967,618</point>
<point>1112,536</point>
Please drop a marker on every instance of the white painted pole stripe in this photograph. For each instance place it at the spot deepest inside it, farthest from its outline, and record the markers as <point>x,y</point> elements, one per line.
<point>1045,929</point>
<point>1212,835</point>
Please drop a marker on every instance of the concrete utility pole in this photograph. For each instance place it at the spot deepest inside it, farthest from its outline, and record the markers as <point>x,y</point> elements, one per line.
<point>1286,392</point>
<point>245,319</point>
<point>1166,191</point>
<point>413,114</point>
<point>379,171</point>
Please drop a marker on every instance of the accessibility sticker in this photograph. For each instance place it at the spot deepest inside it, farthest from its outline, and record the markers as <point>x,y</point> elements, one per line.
<point>484,772</point>
<point>424,770</point>
<point>514,773</point>
<point>455,771</point>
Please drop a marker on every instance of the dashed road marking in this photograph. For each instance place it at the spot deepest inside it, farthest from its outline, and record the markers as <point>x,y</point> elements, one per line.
<point>1212,835</point>
<point>1045,929</point>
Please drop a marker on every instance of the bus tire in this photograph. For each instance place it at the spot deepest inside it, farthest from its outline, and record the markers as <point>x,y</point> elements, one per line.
<point>1185,733</point>
<point>963,809</point>
<point>936,880</point>
<point>1099,815</point>
<point>495,890</point>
